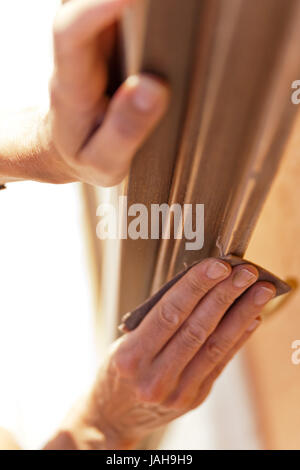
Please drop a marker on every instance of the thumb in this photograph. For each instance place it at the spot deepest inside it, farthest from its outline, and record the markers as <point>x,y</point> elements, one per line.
<point>133,112</point>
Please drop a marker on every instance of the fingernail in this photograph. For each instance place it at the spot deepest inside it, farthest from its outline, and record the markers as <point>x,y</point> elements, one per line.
<point>254,325</point>
<point>122,328</point>
<point>243,277</point>
<point>263,295</point>
<point>216,269</point>
<point>147,93</point>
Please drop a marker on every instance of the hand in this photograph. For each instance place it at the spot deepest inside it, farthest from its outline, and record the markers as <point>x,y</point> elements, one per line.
<point>85,135</point>
<point>96,138</point>
<point>167,366</point>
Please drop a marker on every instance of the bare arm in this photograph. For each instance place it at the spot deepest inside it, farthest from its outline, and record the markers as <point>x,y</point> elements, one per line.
<point>27,151</point>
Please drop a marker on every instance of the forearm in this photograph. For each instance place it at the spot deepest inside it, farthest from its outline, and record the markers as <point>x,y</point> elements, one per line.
<point>26,149</point>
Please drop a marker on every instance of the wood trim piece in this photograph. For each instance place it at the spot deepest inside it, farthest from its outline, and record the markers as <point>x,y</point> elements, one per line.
<point>221,143</point>
<point>167,43</point>
<point>239,122</point>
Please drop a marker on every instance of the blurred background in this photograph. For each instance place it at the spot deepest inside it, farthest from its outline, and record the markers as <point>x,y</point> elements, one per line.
<point>49,349</point>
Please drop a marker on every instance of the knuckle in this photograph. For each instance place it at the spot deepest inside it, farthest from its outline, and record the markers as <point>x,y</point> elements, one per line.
<point>109,181</point>
<point>151,391</point>
<point>216,350</point>
<point>222,297</point>
<point>202,395</point>
<point>110,175</point>
<point>126,363</point>
<point>169,314</point>
<point>180,403</point>
<point>104,170</point>
<point>193,335</point>
<point>195,283</point>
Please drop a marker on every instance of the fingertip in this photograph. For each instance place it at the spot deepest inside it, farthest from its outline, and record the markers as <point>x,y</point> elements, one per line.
<point>217,268</point>
<point>244,275</point>
<point>147,92</point>
<point>263,293</point>
<point>251,268</point>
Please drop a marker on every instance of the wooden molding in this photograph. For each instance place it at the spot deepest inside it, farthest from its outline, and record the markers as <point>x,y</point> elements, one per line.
<point>223,138</point>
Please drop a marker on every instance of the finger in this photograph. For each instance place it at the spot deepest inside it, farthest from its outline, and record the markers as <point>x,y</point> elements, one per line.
<point>190,394</point>
<point>133,112</point>
<point>206,386</point>
<point>76,35</point>
<point>176,305</point>
<point>107,35</point>
<point>233,326</point>
<point>238,320</point>
<point>204,320</point>
<point>79,21</point>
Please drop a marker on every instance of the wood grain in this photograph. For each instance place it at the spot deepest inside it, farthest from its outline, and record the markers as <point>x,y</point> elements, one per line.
<point>221,143</point>
<point>230,65</point>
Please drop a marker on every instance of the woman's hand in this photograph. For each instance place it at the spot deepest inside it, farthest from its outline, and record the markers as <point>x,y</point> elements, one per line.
<point>167,366</point>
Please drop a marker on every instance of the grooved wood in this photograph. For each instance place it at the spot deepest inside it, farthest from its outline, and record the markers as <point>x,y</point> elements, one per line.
<point>221,142</point>
<point>168,51</point>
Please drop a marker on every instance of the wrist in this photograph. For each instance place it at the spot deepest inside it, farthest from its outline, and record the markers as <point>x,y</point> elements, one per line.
<point>101,436</point>
<point>53,168</point>
<point>87,438</point>
<point>27,150</point>
<point>81,432</point>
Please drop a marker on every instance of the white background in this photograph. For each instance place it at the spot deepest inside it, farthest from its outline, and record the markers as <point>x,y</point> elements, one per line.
<point>46,318</point>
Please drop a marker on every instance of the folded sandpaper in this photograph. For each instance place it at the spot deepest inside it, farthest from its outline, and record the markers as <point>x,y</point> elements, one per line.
<point>131,320</point>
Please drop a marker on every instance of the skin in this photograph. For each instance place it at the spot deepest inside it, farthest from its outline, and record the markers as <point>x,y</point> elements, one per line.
<point>84,136</point>
<point>168,365</point>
